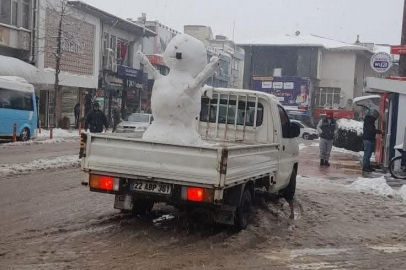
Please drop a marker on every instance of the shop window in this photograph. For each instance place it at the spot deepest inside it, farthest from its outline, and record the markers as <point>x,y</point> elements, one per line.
<point>328,97</point>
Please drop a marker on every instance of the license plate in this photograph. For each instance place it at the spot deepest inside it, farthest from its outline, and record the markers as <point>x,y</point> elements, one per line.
<point>152,187</point>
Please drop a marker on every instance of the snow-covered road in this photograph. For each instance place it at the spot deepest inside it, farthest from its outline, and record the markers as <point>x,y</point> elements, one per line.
<point>49,221</point>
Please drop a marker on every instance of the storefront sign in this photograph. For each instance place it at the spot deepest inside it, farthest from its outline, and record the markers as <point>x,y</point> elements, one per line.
<point>338,114</point>
<point>290,91</point>
<point>381,62</point>
<point>267,85</point>
<point>401,49</point>
<point>112,80</point>
<point>156,59</point>
<point>124,71</point>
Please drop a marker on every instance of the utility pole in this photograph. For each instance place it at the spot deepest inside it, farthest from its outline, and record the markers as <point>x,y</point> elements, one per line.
<point>402,61</point>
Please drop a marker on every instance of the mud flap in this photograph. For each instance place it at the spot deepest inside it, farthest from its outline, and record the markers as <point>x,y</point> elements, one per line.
<point>225,214</point>
<point>123,202</point>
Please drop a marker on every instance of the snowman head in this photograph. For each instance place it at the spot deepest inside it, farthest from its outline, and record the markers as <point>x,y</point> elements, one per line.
<point>186,53</point>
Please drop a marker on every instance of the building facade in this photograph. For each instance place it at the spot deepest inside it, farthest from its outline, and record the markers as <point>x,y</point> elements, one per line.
<point>308,74</point>
<point>230,73</point>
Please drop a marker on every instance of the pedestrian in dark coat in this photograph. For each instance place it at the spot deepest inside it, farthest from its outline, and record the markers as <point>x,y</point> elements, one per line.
<point>369,137</point>
<point>77,114</point>
<point>96,120</point>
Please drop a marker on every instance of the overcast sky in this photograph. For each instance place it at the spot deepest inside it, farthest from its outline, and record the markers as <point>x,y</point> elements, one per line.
<point>377,21</point>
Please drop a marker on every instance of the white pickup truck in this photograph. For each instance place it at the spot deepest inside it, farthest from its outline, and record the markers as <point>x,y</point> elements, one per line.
<point>251,147</point>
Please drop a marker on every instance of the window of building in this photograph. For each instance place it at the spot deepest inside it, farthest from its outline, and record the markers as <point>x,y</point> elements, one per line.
<point>26,14</point>
<point>14,13</point>
<point>328,97</point>
<point>206,115</point>
<point>285,123</point>
<point>5,11</point>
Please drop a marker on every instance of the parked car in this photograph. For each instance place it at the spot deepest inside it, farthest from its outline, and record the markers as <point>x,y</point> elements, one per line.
<point>257,152</point>
<point>17,107</point>
<point>306,132</point>
<point>135,122</point>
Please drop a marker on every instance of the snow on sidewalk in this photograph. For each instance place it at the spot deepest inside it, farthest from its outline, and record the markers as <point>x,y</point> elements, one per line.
<point>39,165</point>
<point>57,133</point>
<point>379,187</point>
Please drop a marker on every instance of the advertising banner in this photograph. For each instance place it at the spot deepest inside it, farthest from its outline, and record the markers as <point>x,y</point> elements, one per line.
<point>291,91</point>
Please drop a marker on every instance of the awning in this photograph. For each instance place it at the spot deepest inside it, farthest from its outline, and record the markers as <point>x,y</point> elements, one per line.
<point>10,66</point>
<point>378,85</point>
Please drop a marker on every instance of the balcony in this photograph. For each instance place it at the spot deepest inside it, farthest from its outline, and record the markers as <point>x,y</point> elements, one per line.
<point>15,37</point>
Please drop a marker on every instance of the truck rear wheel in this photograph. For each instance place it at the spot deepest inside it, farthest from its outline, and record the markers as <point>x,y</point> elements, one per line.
<point>244,210</point>
<point>142,207</point>
<point>289,191</point>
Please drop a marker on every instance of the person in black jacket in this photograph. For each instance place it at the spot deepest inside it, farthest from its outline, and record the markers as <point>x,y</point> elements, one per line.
<point>96,119</point>
<point>369,135</point>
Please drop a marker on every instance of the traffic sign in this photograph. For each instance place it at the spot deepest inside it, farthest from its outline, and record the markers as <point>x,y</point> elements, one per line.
<point>381,62</point>
<point>401,49</point>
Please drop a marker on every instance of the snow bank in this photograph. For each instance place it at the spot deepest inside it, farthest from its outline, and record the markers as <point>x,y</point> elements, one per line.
<point>39,165</point>
<point>58,133</point>
<point>351,125</point>
<point>376,186</point>
<point>402,193</point>
<point>302,146</point>
<point>49,141</point>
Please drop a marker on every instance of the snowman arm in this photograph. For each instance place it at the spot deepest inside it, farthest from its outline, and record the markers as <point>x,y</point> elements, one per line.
<point>207,72</point>
<point>145,61</point>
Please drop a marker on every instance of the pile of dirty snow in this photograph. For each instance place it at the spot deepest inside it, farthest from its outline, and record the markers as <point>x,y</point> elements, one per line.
<point>351,125</point>
<point>378,186</point>
<point>39,165</point>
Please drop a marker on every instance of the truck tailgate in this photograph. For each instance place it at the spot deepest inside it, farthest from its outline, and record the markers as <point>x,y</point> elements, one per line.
<point>216,165</point>
<point>133,157</point>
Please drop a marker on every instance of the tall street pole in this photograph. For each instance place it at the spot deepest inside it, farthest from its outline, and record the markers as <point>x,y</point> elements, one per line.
<point>402,61</point>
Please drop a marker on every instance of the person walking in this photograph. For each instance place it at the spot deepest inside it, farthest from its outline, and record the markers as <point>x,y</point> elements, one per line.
<point>369,139</point>
<point>116,118</point>
<point>77,114</point>
<point>327,128</point>
<point>96,119</point>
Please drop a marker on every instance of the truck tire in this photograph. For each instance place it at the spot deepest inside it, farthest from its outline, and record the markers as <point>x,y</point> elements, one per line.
<point>289,191</point>
<point>244,210</point>
<point>142,207</point>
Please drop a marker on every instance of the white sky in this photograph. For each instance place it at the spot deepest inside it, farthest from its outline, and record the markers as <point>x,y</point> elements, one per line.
<point>378,21</point>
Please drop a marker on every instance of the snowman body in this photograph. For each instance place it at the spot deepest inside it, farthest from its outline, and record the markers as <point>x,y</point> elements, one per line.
<point>176,98</point>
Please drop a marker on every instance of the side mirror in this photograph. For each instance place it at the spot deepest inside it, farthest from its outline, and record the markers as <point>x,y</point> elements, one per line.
<point>294,130</point>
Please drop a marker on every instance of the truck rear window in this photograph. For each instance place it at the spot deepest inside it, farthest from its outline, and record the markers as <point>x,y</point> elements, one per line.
<point>209,112</point>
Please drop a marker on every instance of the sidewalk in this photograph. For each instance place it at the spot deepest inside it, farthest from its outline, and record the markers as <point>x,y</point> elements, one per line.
<point>343,165</point>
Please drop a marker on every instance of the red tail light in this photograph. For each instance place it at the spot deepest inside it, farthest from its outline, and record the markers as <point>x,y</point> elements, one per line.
<point>103,182</point>
<point>195,194</point>
<point>106,182</point>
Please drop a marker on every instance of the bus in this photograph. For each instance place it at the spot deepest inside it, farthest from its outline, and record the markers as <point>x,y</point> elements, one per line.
<point>17,106</point>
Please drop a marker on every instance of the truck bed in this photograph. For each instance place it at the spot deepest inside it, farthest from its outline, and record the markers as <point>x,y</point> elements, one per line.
<point>216,165</point>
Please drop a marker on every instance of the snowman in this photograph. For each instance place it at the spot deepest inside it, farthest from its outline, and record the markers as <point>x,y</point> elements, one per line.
<point>176,98</point>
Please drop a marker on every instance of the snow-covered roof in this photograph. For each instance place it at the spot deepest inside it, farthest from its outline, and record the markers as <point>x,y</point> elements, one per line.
<point>10,66</point>
<point>16,83</point>
<point>358,99</point>
<point>303,41</point>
